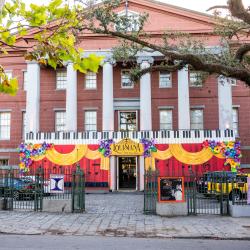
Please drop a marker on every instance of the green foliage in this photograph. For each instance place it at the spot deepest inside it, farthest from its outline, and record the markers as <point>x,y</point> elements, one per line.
<point>55,31</point>
<point>9,86</point>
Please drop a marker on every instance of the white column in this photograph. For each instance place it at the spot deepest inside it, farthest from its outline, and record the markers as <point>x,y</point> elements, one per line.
<point>71,98</point>
<point>225,103</point>
<point>183,99</point>
<point>142,172</point>
<point>112,174</point>
<point>33,97</point>
<point>107,97</point>
<point>145,95</point>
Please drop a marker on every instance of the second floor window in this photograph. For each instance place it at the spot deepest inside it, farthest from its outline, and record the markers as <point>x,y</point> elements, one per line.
<point>8,74</point>
<point>236,121</point>
<point>196,119</point>
<point>126,83</point>
<point>4,125</point>
<point>60,121</point>
<point>166,120</point>
<point>90,80</point>
<point>195,79</point>
<point>61,79</point>
<point>128,121</point>
<point>165,80</point>
<point>90,119</point>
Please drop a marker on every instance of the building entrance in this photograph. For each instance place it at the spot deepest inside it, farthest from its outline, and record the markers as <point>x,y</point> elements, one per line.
<point>127,172</point>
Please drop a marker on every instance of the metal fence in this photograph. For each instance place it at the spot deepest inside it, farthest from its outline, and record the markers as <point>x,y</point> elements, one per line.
<point>210,193</point>
<point>26,191</point>
<point>150,191</point>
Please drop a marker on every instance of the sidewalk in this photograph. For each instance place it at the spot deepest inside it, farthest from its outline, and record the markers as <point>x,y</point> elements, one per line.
<point>122,217</point>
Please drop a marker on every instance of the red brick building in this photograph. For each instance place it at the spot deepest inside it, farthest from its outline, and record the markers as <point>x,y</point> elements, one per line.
<point>65,100</point>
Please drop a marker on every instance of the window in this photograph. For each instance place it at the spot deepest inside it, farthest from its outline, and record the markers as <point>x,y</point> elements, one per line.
<point>4,162</point>
<point>166,119</point>
<point>126,82</point>
<point>128,121</point>
<point>90,80</point>
<point>236,121</point>
<point>25,82</point>
<point>90,120</point>
<point>8,74</point>
<point>165,80</point>
<point>61,79</point>
<point>129,21</point>
<point>4,126</point>
<point>24,123</point>
<point>60,121</point>
<point>233,81</point>
<point>195,79</point>
<point>196,119</point>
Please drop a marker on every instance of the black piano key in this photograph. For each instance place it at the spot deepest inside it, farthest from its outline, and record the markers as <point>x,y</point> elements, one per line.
<point>96,135</point>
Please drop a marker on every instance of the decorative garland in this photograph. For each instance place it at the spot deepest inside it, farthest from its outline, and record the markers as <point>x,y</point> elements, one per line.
<point>148,146</point>
<point>28,152</point>
<point>230,150</point>
<point>104,147</point>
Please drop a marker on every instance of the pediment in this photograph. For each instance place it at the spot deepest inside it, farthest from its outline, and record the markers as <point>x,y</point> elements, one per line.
<point>165,17</point>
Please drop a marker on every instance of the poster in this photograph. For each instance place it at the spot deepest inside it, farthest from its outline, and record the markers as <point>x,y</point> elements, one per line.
<point>171,189</point>
<point>56,183</point>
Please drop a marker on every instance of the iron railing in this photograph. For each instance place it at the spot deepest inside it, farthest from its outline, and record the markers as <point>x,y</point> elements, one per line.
<point>150,191</point>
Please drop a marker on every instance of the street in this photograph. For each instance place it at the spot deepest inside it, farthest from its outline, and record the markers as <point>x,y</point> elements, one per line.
<point>32,242</point>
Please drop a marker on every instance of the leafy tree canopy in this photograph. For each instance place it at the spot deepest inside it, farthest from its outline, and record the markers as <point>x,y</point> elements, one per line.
<point>58,30</point>
<point>55,35</point>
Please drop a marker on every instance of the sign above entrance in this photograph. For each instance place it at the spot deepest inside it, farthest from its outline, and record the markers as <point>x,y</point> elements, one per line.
<point>127,147</point>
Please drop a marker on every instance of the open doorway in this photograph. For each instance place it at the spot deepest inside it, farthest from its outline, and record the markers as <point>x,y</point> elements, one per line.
<point>127,173</point>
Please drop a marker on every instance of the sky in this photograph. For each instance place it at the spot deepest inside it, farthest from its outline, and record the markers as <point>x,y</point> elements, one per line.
<point>198,5</point>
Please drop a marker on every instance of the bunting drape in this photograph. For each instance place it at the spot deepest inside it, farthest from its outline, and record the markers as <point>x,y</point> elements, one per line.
<point>174,150</point>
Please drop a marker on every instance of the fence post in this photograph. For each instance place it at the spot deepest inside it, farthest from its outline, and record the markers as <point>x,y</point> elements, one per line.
<point>227,195</point>
<point>78,190</point>
<point>8,193</point>
<point>39,185</point>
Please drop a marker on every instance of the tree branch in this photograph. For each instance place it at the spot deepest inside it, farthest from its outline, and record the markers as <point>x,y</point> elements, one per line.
<point>218,7</point>
<point>242,50</point>
<point>238,10</point>
<point>195,61</point>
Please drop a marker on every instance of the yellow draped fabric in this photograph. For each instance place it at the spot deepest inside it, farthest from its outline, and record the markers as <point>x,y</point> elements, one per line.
<point>180,154</point>
<point>174,150</point>
<point>74,156</point>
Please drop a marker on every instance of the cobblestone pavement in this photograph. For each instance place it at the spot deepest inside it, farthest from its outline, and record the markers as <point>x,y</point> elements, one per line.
<point>122,215</point>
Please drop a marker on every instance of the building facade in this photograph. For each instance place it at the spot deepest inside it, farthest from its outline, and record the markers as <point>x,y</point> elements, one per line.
<point>68,108</point>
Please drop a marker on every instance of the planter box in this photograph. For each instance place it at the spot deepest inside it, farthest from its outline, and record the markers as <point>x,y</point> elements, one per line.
<point>237,211</point>
<point>58,206</point>
<point>172,209</point>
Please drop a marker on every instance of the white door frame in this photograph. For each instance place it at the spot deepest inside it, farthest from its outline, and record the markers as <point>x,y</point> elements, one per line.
<point>117,171</point>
